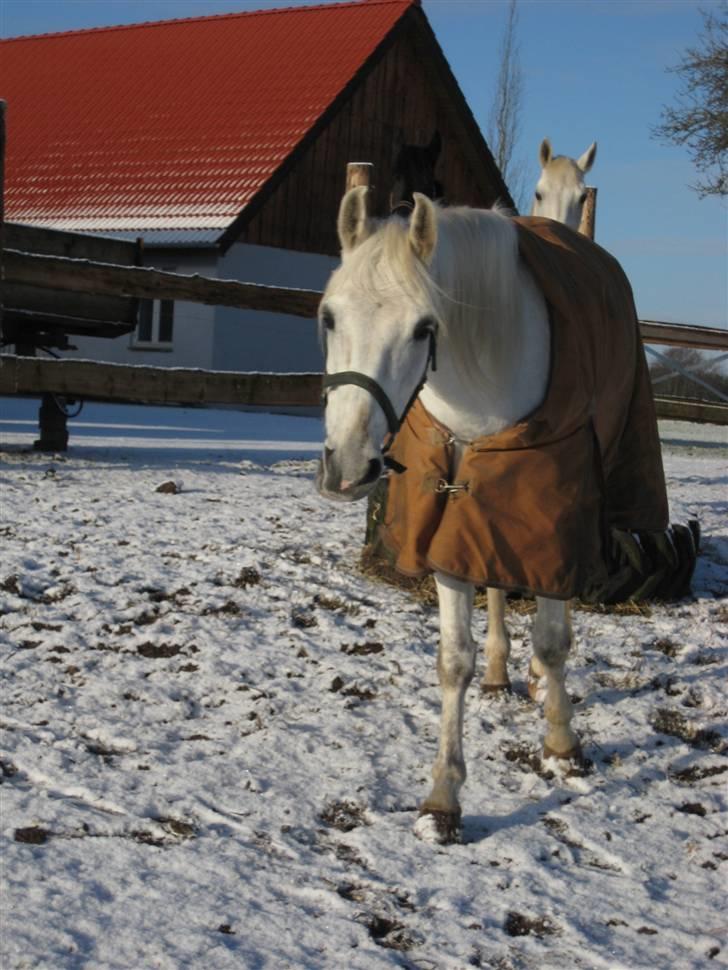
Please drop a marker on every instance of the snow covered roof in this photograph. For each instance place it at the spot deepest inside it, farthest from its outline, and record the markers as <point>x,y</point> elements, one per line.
<point>174,125</point>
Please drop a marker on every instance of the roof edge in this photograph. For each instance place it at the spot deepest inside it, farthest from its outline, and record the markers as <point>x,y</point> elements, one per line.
<point>253,206</point>
<point>265,12</point>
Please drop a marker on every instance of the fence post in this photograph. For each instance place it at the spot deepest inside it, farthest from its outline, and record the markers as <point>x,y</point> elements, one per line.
<point>2,205</point>
<point>359,173</point>
<point>589,213</point>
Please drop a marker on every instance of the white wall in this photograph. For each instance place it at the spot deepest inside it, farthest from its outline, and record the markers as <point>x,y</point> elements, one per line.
<point>222,338</point>
<point>193,322</point>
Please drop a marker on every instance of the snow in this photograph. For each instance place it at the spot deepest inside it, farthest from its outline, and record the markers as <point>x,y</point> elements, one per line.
<point>216,731</point>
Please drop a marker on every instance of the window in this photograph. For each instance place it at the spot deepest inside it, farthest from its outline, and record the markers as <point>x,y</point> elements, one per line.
<point>155,328</point>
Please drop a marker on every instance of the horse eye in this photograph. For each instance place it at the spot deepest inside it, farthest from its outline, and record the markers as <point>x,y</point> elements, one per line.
<point>423,329</point>
<point>539,197</point>
<point>327,319</point>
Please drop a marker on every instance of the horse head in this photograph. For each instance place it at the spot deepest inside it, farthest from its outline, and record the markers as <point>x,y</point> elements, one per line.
<point>414,171</point>
<point>560,191</point>
<point>377,326</point>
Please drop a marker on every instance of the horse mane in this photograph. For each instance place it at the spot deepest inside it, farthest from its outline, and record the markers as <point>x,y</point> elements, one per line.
<point>470,286</point>
<point>476,267</point>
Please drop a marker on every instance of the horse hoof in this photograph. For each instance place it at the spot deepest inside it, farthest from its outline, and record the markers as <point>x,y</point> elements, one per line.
<point>575,755</point>
<point>439,828</point>
<point>495,688</point>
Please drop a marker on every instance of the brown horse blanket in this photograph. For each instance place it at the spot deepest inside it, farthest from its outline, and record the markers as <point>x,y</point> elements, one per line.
<point>539,499</point>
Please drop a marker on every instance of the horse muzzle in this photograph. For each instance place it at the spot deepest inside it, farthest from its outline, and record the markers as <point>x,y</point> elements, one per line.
<point>347,480</point>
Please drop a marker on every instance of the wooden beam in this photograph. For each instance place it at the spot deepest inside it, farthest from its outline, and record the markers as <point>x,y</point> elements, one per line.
<point>82,275</point>
<point>683,335</point>
<point>359,173</point>
<point>587,226</point>
<point>2,208</point>
<point>155,385</point>
<point>22,324</point>
<point>704,412</point>
<point>77,245</point>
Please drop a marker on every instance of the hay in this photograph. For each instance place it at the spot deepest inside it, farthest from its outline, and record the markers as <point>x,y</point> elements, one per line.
<point>375,563</point>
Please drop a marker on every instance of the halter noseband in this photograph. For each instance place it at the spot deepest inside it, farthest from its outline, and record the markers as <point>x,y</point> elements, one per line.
<point>394,423</point>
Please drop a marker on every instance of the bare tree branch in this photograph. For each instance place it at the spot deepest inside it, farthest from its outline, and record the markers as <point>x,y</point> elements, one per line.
<point>504,120</point>
<point>700,119</point>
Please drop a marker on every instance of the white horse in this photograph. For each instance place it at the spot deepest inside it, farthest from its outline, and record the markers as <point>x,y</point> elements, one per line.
<point>560,191</point>
<point>454,272</point>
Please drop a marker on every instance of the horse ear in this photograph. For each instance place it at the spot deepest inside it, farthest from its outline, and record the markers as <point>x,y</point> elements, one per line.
<point>353,224</point>
<point>544,153</point>
<point>435,147</point>
<point>423,227</point>
<point>587,159</point>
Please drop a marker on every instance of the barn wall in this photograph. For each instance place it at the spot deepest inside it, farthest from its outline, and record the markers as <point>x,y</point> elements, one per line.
<point>400,101</point>
<point>247,340</point>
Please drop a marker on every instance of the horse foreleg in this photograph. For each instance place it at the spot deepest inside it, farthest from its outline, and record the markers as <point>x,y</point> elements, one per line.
<point>439,819</point>
<point>551,644</point>
<point>537,682</point>
<point>497,645</point>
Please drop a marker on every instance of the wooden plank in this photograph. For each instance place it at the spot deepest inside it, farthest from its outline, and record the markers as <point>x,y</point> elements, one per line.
<point>19,321</point>
<point>77,245</point>
<point>51,272</point>
<point>70,303</point>
<point>683,335</point>
<point>155,385</point>
<point>73,304</point>
<point>704,412</point>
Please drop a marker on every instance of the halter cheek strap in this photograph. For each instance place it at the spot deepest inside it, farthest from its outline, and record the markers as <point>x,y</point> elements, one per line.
<point>394,423</point>
<point>369,384</point>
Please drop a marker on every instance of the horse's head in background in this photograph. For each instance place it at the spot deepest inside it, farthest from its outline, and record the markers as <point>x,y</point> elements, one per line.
<point>560,191</point>
<point>414,171</point>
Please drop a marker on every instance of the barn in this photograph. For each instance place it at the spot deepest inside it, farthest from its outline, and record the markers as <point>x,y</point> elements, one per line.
<point>222,143</point>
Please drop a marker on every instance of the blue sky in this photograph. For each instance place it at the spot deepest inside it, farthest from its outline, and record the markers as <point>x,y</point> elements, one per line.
<point>593,69</point>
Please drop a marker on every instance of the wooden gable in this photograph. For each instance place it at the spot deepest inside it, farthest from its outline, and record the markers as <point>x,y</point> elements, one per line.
<point>404,93</point>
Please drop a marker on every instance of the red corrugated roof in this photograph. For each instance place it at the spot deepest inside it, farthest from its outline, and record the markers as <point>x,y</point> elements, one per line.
<point>172,124</point>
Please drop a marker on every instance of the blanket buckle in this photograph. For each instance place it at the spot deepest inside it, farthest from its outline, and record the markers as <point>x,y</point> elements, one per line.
<point>446,488</point>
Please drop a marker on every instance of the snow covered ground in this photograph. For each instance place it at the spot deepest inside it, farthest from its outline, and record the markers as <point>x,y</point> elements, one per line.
<point>216,730</point>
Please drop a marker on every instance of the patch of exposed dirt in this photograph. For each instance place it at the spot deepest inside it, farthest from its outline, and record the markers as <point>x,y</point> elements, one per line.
<point>517,924</point>
<point>32,835</point>
<point>362,649</point>
<point>228,608</point>
<point>11,584</point>
<point>665,646</point>
<point>336,605</point>
<point>665,720</point>
<point>158,651</point>
<point>343,816</point>
<point>390,933</point>
<point>693,808</point>
<point>695,773</point>
<point>303,619</point>
<point>248,576</point>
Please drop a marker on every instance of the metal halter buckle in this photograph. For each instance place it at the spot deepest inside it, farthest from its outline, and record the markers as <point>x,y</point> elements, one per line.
<point>445,488</point>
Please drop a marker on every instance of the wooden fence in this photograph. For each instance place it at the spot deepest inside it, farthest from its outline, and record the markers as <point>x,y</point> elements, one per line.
<point>125,382</point>
<point>23,375</point>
